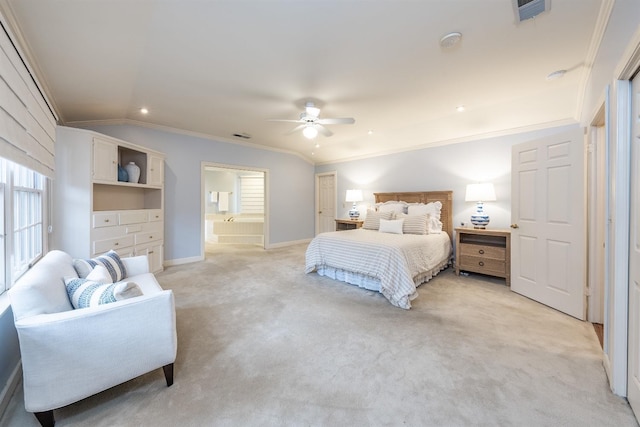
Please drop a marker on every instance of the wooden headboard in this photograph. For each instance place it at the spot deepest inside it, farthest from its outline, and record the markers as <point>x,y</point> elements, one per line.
<point>444,197</point>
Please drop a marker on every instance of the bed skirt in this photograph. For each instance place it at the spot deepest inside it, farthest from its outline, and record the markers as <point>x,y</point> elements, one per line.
<point>373,283</point>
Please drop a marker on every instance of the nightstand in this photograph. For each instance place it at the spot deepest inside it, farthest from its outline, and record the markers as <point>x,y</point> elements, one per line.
<point>348,224</point>
<point>485,251</point>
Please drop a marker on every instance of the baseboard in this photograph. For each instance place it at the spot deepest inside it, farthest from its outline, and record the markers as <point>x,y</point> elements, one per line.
<point>285,244</point>
<point>179,261</point>
<point>7,392</point>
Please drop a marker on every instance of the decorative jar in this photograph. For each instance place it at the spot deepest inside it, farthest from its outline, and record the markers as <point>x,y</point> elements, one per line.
<point>134,172</point>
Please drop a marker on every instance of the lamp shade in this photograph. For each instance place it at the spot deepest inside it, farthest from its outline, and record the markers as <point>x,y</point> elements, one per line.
<point>354,196</point>
<point>480,193</point>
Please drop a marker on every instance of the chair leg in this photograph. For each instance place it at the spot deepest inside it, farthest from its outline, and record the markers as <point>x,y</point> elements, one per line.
<point>45,418</point>
<point>168,374</point>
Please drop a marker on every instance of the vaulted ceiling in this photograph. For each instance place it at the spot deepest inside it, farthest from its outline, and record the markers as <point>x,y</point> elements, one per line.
<point>219,68</point>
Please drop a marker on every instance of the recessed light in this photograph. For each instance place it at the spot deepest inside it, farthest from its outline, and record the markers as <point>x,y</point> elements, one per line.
<point>460,108</point>
<point>144,111</point>
<point>450,39</point>
<point>370,132</point>
<point>317,145</point>
<point>556,74</point>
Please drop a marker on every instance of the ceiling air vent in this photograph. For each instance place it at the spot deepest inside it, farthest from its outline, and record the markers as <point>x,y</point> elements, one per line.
<point>527,9</point>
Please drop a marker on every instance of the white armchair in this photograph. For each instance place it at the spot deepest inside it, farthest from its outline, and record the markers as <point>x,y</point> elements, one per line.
<point>69,354</point>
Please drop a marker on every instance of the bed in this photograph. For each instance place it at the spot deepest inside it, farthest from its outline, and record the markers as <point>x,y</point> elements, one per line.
<point>392,264</point>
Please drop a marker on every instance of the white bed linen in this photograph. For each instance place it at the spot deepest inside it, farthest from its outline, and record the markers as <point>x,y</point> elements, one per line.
<point>392,264</point>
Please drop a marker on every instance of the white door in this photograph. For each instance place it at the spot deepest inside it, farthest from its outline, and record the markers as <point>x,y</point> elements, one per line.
<point>633,361</point>
<point>547,210</point>
<point>326,202</point>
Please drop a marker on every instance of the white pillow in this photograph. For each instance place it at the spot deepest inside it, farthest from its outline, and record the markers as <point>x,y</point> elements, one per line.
<point>372,221</point>
<point>434,226</point>
<point>431,208</point>
<point>99,274</point>
<point>395,207</point>
<point>414,224</point>
<point>393,226</point>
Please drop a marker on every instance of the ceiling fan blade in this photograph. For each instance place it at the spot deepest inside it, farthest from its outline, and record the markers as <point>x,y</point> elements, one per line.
<point>342,121</point>
<point>296,129</point>
<point>323,130</point>
<point>285,120</point>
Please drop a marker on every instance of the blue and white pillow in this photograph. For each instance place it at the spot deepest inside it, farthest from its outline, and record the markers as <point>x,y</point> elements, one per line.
<point>88,293</point>
<point>111,261</point>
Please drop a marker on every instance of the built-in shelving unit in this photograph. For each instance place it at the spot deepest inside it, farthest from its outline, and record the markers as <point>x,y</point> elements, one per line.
<point>94,211</point>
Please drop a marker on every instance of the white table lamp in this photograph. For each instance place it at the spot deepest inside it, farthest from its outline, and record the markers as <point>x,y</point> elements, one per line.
<point>480,193</point>
<point>354,196</point>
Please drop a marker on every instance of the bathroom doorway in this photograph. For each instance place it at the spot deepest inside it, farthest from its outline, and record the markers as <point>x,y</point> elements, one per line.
<point>234,206</point>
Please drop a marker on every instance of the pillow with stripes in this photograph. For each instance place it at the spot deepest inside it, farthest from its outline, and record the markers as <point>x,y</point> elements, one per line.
<point>111,261</point>
<point>372,220</point>
<point>88,293</point>
<point>415,224</point>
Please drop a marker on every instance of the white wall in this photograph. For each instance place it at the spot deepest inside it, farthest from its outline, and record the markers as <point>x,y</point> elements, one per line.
<point>448,167</point>
<point>291,213</point>
<point>623,24</point>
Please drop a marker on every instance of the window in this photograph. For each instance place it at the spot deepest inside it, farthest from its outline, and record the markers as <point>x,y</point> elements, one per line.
<point>22,223</point>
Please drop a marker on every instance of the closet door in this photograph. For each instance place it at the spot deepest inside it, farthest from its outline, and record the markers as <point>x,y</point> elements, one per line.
<point>326,202</point>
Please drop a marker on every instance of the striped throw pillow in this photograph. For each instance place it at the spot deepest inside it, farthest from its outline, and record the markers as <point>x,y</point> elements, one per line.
<point>111,261</point>
<point>414,224</point>
<point>87,293</point>
<point>372,221</point>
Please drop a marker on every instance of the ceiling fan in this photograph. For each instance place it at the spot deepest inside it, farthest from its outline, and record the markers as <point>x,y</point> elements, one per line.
<point>311,124</point>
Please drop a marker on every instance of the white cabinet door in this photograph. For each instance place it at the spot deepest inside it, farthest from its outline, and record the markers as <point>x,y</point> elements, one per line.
<point>154,253</point>
<point>105,161</point>
<point>155,174</point>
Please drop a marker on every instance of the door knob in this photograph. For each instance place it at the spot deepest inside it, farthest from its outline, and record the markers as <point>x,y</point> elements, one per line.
<point>514,226</point>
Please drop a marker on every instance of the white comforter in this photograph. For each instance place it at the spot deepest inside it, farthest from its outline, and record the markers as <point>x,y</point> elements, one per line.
<point>399,261</point>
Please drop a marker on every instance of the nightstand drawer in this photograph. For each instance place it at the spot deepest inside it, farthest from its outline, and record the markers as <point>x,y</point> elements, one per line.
<point>483,251</point>
<point>492,267</point>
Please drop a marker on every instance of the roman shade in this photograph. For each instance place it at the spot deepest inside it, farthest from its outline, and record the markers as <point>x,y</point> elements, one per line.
<point>27,124</point>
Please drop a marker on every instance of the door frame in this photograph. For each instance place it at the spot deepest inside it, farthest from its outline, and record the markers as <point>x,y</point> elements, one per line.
<point>618,113</point>
<point>597,182</point>
<point>203,165</point>
<point>317,196</point>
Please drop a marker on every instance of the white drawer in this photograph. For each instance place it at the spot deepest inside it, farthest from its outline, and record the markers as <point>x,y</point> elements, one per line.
<point>148,237</point>
<point>155,215</point>
<point>105,219</point>
<point>134,228</point>
<point>101,246</point>
<point>134,217</point>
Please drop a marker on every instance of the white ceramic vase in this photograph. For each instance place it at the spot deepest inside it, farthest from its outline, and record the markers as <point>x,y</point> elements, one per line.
<point>134,172</point>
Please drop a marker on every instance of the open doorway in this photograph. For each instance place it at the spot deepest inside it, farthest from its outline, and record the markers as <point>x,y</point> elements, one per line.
<point>597,184</point>
<point>233,206</point>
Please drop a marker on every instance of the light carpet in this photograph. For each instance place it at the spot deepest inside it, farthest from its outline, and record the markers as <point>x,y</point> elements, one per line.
<point>262,344</point>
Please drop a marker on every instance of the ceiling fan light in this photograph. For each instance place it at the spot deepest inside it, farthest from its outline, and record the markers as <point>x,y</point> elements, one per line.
<point>310,132</point>
<point>312,111</point>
